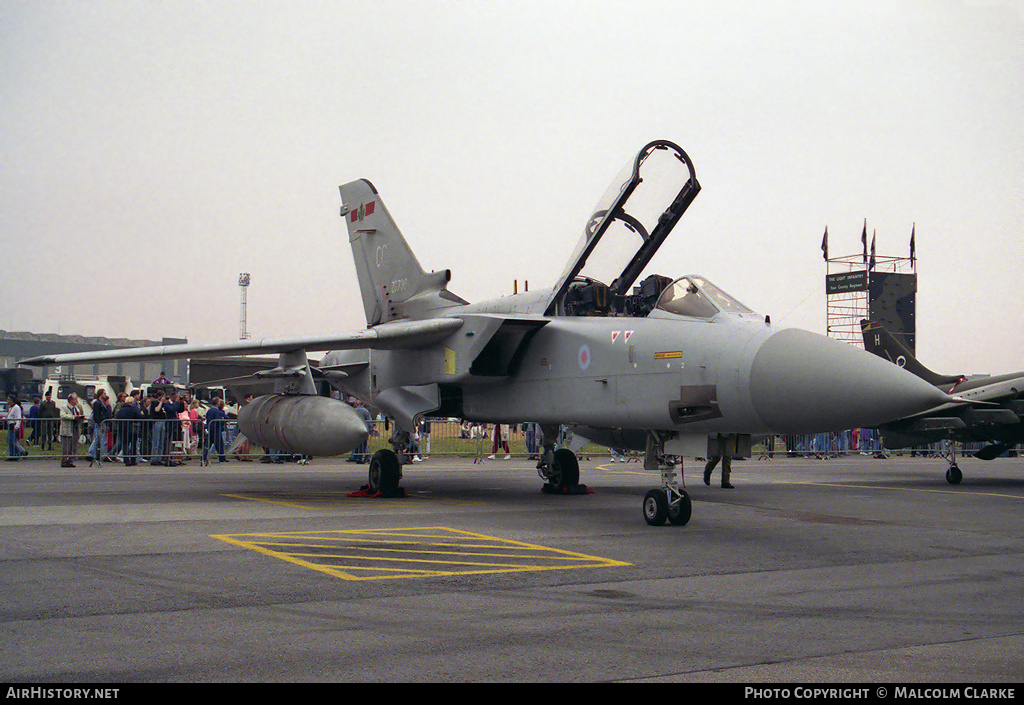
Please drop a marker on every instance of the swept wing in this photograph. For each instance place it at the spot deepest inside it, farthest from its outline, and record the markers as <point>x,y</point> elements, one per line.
<point>385,336</point>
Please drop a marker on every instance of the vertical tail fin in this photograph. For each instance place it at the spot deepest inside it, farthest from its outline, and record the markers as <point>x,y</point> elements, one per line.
<point>881,342</point>
<point>392,282</point>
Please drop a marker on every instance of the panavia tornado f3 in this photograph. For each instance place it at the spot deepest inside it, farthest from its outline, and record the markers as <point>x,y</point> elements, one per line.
<point>662,365</point>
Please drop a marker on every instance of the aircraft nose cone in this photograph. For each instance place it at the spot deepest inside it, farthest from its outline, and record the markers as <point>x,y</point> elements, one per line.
<point>801,382</point>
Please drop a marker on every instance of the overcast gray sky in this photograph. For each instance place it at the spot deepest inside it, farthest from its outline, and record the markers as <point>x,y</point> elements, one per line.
<point>151,151</point>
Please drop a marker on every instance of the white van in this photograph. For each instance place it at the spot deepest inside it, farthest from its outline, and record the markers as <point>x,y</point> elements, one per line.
<point>86,388</point>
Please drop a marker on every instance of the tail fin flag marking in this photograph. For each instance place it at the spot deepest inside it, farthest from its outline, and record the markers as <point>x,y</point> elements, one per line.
<point>392,283</point>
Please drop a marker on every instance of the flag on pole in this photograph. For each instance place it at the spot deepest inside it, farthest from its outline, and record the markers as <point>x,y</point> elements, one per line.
<point>864,240</point>
<point>824,245</point>
<point>871,262</point>
<point>912,255</point>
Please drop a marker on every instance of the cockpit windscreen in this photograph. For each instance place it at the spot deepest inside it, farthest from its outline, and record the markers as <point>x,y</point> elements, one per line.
<point>697,297</point>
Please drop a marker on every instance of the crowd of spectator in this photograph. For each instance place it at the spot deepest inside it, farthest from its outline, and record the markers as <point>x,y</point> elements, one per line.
<point>166,427</point>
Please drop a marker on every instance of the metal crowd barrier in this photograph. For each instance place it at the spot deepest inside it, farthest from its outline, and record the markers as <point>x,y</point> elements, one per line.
<point>448,437</point>
<point>177,441</point>
<point>131,441</point>
<point>840,443</point>
<point>173,441</point>
<point>823,445</point>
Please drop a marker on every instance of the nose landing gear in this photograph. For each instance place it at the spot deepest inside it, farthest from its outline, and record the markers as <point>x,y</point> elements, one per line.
<point>670,501</point>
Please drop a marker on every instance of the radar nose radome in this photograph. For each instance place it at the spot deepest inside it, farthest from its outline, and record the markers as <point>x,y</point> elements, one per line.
<point>801,382</point>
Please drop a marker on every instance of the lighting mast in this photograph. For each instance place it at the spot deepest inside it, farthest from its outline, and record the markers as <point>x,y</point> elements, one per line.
<point>243,283</point>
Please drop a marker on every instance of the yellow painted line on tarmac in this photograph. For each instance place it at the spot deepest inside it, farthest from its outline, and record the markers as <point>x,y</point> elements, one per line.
<point>608,468</point>
<point>319,500</point>
<point>267,501</point>
<point>378,554</point>
<point>615,471</point>
<point>904,489</point>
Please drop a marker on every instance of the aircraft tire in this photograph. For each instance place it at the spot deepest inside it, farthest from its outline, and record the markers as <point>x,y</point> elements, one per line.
<point>566,469</point>
<point>655,507</point>
<point>953,475</point>
<point>679,513</point>
<point>384,472</point>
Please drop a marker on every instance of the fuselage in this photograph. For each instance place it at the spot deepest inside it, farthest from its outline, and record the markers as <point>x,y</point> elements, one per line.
<point>628,372</point>
<point>723,373</point>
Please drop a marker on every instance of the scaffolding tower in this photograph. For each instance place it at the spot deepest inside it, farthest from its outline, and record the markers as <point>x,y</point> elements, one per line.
<point>874,287</point>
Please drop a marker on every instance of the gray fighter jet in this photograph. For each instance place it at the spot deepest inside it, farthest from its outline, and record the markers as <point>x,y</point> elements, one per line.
<point>991,408</point>
<point>664,366</point>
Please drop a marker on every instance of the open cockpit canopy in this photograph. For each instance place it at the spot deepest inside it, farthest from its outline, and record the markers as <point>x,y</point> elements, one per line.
<point>629,224</point>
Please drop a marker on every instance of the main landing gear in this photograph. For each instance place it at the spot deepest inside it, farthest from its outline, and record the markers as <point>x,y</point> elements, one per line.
<point>670,501</point>
<point>563,471</point>
<point>953,474</point>
<point>560,469</point>
<point>385,471</point>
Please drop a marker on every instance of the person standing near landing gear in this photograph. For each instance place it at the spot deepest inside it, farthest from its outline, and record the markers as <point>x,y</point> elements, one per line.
<point>725,445</point>
<point>100,413</point>
<point>500,441</point>
<point>71,416</point>
<point>49,419</point>
<point>14,416</point>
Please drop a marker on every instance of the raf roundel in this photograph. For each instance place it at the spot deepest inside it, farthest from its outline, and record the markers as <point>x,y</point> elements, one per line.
<point>584,357</point>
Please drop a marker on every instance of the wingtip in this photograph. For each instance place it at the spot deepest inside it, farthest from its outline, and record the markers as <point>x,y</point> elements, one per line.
<point>36,361</point>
